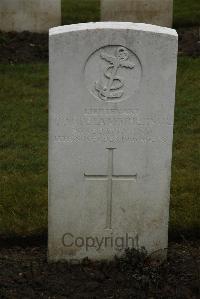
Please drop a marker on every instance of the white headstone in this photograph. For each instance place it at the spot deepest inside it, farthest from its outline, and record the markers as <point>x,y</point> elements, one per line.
<point>157,12</point>
<point>29,15</point>
<point>112,94</point>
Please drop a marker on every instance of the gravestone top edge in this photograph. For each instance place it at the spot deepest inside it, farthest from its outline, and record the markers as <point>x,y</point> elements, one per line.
<point>113,25</point>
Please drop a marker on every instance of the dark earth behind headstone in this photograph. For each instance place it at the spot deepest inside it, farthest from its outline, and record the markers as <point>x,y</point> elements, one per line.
<point>28,47</point>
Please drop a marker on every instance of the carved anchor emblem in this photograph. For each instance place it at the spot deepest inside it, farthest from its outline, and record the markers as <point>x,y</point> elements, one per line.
<point>112,88</point>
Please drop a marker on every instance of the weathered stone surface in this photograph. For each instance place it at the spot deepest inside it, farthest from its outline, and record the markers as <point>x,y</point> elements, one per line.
<point>157,12</point>
<point>112,94</point>
<point>29,15</point>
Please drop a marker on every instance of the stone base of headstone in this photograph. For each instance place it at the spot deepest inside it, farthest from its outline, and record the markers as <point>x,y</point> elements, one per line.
<point>29,15</point>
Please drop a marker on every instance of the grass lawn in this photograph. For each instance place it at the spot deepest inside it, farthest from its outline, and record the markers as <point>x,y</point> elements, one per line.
<point>80,11</point>
<point>186,12</point>
<point>185,191</point>
<point>23,148</point>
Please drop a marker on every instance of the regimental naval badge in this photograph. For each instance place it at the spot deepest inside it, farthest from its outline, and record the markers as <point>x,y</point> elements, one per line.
<point>111,86</point>
<point>113,73</point>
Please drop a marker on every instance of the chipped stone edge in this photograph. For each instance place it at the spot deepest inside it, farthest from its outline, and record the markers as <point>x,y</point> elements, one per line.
<point>113,25</point>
